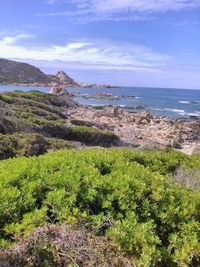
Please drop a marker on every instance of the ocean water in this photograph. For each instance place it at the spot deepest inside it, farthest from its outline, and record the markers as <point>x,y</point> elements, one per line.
<point>177,103</point>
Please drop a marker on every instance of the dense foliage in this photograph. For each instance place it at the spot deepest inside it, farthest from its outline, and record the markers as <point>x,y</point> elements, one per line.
<point>128,196</point>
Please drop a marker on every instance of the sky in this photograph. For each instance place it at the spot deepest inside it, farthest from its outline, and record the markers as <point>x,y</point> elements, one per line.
<point>152,43</point>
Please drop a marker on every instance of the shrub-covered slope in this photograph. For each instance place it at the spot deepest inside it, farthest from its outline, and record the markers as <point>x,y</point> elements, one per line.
<point>19,72</point>
<point>31,123</point>
<point>130,197</point>
<point>13,72</point>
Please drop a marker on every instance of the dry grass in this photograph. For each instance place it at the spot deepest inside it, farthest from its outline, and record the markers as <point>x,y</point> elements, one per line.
<point>188,178</point>
<point>55,245</point>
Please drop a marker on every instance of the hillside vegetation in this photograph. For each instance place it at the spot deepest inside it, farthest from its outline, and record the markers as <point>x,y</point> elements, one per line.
<point>125,201</point>
<point>13,72</point>
<point>32,123</point>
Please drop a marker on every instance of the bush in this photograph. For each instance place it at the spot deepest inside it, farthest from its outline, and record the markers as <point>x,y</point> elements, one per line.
<point>127,195</point>
<point>29,144</point>
<point>22,144</point>
<point>92,136</point>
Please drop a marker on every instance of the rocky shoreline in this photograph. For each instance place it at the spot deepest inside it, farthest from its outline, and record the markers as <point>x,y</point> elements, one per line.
<point>57,116</point>
<point>141,130</point>
<point>50,84</point>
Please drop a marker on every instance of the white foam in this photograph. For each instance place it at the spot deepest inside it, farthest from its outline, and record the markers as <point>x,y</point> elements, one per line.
<point>184,102</point>
<point>196,114</point>
<point>157,109</point>
<point>175,110</point>
<point>121,106</point>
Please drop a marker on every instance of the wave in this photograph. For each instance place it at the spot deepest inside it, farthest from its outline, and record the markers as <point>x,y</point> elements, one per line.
<point>175,110</point>
<point>184,102</point>
<point>195,114</point>
<point>182,112</point>
<point>157,109</point>
<point>189,102</point>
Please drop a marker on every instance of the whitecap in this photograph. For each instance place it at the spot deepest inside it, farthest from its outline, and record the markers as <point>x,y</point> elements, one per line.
<point>196,114</point>
<point>157,109</point>
<point>175,110</point>
<point>184,102</point>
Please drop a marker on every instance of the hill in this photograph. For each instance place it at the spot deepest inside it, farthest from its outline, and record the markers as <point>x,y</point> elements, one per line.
<point>12,72</point>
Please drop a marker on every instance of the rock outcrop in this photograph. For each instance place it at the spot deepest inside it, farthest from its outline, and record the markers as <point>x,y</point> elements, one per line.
<point>58,90</point>
<point>61,78</point>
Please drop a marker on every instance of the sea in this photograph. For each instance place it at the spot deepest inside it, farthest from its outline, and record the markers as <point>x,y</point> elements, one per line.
<point>175,103</point>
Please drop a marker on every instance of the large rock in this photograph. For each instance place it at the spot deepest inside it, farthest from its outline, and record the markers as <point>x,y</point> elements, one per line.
<point>176,144</point>
<point>62,78</point>
<point>63,100</point>
<point>196,149</point>
<point>58,90</point>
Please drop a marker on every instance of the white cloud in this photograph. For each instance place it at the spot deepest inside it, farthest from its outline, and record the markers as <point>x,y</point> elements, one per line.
<point>107,59</point>
<point>100,54</point>
<point>8,40</point>
<point>143,5</point>
<point>112,6</point>
<point>128,61</point>
<point>118,10</point>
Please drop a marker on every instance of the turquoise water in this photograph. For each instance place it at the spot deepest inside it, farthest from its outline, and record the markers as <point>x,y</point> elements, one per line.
<point>159,101</point>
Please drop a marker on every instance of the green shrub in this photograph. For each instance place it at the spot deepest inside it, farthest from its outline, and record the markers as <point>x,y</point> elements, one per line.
<point>127,195</point>
<point>29,144</point>
<point>22,144</point>
<point>56,143</point>
<point>93,136</point>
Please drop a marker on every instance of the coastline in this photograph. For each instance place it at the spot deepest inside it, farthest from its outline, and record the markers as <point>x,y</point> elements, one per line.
<point>138,130</point>
<point>75,85</point>
<point>141,130</point>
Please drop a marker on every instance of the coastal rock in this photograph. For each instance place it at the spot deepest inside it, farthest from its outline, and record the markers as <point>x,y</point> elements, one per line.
<point>62,78</point>
<point>118,111</point>
<point>58,90</point>
<point>63,101</point>
<point>140,107</point>
<point>101,96</point>
<point>175,144</point>
<point>196,149</point>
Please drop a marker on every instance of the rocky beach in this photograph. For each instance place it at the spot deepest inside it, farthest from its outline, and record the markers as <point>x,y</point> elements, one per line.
<point>139,129</point>
<point>142,130</point>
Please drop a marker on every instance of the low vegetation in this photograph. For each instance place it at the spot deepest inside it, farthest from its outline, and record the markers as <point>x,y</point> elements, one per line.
<point>90,135</point>
<point>124,199</point>
<point>32,123</point>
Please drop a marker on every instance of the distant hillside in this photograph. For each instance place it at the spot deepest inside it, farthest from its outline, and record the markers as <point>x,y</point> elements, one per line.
<point>12,72</point>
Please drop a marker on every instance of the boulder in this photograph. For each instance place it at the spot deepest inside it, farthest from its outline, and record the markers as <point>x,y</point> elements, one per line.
<point>64,100</point>
<point>58,90</point>
<point>175,144</point>
<point>196,149</point>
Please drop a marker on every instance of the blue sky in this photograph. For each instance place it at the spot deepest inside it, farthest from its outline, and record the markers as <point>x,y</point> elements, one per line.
<point>153,43</point>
